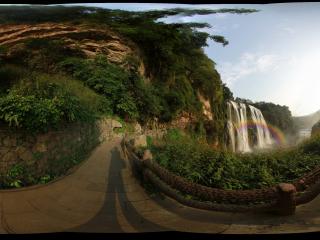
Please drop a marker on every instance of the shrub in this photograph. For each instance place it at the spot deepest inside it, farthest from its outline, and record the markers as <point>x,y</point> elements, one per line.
<point>106,79</point>
<point>312,145</point>
<point>40,106</point>
<point>199,163</point>
<point>87,97</point>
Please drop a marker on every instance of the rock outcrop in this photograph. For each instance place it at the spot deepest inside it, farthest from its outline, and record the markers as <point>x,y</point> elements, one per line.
<point>91,41</point>
<point>139,141</point>
<point>206,106</point>
<point>107,128</point>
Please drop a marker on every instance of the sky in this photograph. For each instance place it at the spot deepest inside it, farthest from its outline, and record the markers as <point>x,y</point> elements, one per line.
<point>273,55</point>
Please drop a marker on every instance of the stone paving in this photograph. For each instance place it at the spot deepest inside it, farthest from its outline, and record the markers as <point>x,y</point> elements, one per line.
<point>103,196</point>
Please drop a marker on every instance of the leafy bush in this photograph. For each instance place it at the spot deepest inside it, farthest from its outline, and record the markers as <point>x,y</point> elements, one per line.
<point>201,164</point>
<point>19,175</point>
<point>87,97</point>
<point>174,134</point>
<point>39,106</point>
<point>14,175</point>
<point>312,145</point>
<point>106,79</point>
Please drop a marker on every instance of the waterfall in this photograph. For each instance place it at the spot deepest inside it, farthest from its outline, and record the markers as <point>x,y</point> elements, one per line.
<point>263,134</point>
<point>231,128</point>
<point>238,127</point>
<point>244,128</point>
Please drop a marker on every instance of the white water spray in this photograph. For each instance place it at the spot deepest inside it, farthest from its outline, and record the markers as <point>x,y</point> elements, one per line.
<point>238,127</point>
<point>263,134</point>
<point>231,128</point>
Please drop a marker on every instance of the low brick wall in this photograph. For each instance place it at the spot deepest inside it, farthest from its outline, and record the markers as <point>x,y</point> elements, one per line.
<point>50,153</point>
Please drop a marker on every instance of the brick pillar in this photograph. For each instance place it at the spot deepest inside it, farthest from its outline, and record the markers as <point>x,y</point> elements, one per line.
<point>286,202</point>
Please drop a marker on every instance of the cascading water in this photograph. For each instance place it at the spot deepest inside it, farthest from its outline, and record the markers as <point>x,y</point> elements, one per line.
<point>263,134</point>
<point>231,128</point>
<point>238,127</point>
<point>244,128</point>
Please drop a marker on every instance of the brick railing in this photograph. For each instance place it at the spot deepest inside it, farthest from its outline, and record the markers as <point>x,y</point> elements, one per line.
<point>281,199</point>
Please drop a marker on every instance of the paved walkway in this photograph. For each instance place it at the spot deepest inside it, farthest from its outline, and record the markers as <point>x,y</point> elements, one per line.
<point>102,196</point>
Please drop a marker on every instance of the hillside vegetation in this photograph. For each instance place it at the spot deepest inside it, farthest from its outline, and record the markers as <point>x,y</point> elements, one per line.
<point>57,61</point>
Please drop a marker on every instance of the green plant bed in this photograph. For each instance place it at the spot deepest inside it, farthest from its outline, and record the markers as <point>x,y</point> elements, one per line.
<point>198,162</point>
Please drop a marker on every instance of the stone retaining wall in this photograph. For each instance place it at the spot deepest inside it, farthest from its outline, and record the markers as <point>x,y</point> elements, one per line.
<point>49,153</point>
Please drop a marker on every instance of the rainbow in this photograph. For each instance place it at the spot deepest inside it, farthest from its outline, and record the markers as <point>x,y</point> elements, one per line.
<point>276,134</point>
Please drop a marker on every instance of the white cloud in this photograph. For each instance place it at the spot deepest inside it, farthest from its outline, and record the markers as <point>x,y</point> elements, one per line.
<point>295,84</point>
<point>249,63</point>
<point>289,30</point>
<point>235,25</point>
<point>286,27</point>
<point>220,15</point>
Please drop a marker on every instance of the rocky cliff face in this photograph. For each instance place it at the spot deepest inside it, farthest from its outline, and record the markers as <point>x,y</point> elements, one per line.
<point>90,41</point>
<point>205,106</point>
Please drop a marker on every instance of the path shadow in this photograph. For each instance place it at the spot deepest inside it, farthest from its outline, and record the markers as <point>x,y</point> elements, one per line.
<point>106,219</point>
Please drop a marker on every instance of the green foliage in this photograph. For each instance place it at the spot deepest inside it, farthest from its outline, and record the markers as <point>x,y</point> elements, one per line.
<point>129,96</point>
<point>174,134</point>
<point>312,145</point>
<point>17,176</point>
<point>45,179</point>
<point>227,94</point>
<point>9,75</point>
<point>201,164</point>
<point>38,106</point>
<point>219,39</point>
<point>106,79</point>
<point>149,141</point>
<point>90,100</point>
<point>14,175</point>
